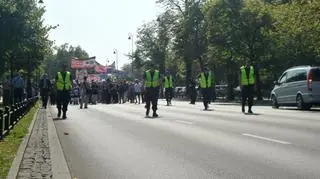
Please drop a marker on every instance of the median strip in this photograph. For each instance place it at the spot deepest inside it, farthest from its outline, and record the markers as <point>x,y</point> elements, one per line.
<point>267,139</point>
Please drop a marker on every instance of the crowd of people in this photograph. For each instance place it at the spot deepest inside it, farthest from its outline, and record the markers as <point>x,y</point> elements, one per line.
<point>64,90</point>
<point>107,92</point>
<point>15,89</point>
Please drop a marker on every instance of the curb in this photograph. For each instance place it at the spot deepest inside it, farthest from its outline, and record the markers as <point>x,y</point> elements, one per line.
<point>14,169</point>
<point>59,164</point>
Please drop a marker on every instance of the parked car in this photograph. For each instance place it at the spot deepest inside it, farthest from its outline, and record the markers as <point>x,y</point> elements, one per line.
<point>298,86</point>
<point>180,91</point>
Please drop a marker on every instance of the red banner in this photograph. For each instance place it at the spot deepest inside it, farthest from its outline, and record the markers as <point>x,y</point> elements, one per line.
<point>80,64</point>
<point>76,64</point>
<point>100,69</point>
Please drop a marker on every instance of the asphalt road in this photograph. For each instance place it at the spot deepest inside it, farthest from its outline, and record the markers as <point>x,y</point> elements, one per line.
<point>116,141</point>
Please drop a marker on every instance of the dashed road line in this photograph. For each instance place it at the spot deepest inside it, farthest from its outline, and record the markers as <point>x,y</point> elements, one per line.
<point>184,122</point>
<point>267,139</point>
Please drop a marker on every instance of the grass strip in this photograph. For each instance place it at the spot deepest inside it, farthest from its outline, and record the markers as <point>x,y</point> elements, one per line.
<point>10,144</point>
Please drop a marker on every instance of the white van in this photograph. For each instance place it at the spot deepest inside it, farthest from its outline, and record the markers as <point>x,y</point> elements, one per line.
<point>298,86</point>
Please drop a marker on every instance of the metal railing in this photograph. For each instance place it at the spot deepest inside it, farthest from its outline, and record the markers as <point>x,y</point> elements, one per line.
<point>10,116</point>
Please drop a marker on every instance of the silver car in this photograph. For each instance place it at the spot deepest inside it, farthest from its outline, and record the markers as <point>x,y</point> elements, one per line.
<point>298,86</point>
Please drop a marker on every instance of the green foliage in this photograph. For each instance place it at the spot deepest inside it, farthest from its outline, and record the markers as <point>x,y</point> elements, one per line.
<point>23,35</point>
<point>64,53</point>
<point>272,34</point>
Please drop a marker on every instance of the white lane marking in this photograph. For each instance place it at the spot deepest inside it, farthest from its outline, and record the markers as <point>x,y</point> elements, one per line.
<point>184,122</point>
<point>267,139</point>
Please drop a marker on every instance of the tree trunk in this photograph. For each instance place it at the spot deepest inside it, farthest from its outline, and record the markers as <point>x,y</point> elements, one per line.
<point>258,83</point>
<point>230,92</point>
<point>162,71</point>
<point>188,75</point>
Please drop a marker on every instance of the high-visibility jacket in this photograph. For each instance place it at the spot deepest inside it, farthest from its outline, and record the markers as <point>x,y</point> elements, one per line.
<point>168,83</point>
<point>206,82</point>
<point>152,81</point>
<point>64,84</point>
<point>247,80</point>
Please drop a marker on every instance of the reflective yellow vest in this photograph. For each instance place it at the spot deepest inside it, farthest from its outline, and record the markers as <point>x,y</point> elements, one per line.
<point>206,83</point>
<point>154,81</point>
<point>64,84</point>
<point>168,83</point>
<point>245,80</point>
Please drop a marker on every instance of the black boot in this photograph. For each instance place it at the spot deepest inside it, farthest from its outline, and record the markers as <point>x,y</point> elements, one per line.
<point>243,109</point>
<point>59,113</point>
<point>155,114</point>
<point>64,116</point>
<point>147,112</point>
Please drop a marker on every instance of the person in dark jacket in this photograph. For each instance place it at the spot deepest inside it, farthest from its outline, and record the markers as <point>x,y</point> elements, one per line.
<point>44,85</point>
<point>94,92</point>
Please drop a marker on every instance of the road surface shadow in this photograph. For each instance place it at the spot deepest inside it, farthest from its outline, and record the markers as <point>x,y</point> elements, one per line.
<point>295,109</point>
<point>57,119</point>
<point>253,114</point>
<point>150,117</point>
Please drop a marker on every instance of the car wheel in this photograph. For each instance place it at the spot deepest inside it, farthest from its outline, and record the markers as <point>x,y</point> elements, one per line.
<point>275,103</point>
<point>300,103</point>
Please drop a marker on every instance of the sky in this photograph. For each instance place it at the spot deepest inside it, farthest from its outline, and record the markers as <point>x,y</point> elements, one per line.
<point>99,26</point>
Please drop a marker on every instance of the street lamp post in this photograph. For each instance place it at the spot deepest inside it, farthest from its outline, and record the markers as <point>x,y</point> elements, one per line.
<point>115,51</point>
<point>106,71</point>
<point>130,37</point>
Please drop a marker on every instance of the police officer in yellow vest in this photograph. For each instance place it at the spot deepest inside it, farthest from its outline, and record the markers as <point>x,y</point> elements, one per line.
<point>206,82</point>
<point>247,82</point>
<point>64,86</point>
<point>168,85</point>
<point>152,85</point>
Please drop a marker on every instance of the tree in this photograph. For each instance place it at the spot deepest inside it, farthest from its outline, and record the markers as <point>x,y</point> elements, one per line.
<point>153,40</point>
<point>24,37</point>
<point>189,44</point>
<point>222,34</point>
<point>63,55</point>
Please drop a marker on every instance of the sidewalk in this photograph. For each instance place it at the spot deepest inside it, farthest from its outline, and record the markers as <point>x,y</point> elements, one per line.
<point>40,154</point>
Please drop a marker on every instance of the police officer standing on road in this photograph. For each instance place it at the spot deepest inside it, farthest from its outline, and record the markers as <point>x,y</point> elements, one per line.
<point>168,85</point>
<point>152,84</point>
<point>206,81</point>
<point>247,82</point>
<point>64,86</point>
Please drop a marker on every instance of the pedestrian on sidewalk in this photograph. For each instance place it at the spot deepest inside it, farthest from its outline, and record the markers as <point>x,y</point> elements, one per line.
<point>44,85</point>
<point>18,84</point>
<point>247,83</point>
<point>152,84</point>
<point>64,86</point>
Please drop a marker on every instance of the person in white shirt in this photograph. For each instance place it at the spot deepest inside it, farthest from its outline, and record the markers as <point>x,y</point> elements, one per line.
<point>137,92</point>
